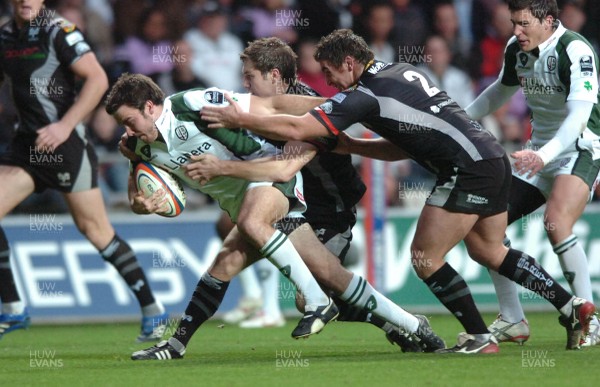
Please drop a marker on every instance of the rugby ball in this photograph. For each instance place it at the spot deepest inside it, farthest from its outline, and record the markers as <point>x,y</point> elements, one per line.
<point>150,178</point>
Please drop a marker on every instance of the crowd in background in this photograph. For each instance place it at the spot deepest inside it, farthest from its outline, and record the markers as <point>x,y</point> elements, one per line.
<point>183,44</point>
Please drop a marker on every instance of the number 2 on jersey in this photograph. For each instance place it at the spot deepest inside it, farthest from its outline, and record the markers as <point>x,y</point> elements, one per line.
<point>413,75</point>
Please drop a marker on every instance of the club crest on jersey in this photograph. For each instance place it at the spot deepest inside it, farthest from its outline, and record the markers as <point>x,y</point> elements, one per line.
<point>214,97</point>
<point>145,150</point>
<point>64,179</point>
<point>523,58</point>
<point>33,34</point>
<point>586,66</point>
<point>181,133</point>
<point>551,63</point>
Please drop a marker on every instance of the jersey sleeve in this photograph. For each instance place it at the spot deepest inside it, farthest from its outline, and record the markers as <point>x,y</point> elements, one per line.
<point>583,72</point>
<point>344,109</point>
<point>508,74</point>
<point>69,42</point>
<point>323,144</point>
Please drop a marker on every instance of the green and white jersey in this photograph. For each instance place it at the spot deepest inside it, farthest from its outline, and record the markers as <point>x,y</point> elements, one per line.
<point>564,69</point>
<point>184,135</point>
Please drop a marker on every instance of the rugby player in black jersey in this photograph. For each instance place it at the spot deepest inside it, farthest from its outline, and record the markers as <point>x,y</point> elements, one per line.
<point>332,186</point>
<point>42,55</point>
<point>469,200</point>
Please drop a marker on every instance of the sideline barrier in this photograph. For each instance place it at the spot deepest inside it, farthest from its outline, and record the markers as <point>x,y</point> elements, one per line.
<point>63,279</point>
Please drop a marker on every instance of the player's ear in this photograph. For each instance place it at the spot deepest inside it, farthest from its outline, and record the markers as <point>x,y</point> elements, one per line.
<point>349,63</point>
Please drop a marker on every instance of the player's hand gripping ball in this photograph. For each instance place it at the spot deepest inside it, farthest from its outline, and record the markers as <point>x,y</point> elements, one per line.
<point>149,179</point>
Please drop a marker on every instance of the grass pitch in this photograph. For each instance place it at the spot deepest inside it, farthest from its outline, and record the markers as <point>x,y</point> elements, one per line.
<point>345,354</point>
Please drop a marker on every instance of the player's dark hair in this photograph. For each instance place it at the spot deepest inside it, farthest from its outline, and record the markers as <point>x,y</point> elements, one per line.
<point>539,8</point>
<point>133,90</point>
<point>341,43</point>
<point>267,54</point>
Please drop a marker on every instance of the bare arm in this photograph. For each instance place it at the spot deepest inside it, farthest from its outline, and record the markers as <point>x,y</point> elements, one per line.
<point>279,168</point>
<point>278,127</point>
<point>94,85</point>
<point>379,148</point>
<point>284,104</point>
<point>142,205</point>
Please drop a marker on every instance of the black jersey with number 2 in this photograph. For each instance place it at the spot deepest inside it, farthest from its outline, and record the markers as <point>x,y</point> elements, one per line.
<point>400,103</point>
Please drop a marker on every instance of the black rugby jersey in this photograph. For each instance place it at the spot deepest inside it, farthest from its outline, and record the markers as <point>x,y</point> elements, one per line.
<point>36,58</point>
<point>331,183</point>
<point>400,103</point>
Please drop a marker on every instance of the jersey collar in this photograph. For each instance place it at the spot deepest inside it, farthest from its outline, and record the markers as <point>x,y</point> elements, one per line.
<point>560,30</point>
<point>163,122</point>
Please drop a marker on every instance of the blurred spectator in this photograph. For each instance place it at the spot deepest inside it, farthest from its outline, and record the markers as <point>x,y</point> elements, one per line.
<point>150,51</point>
<point>323,17</point>
<point>454,81</point>
<point>572,16</point>
<point>410,29</point>
<point>445,24</point>
<point>490,52</point>
<point>379,23</point>
<point>274,18</point>
<point>215,58</point>
<point>309,70</point>
<point>97,30</point>
<point>181,77</point>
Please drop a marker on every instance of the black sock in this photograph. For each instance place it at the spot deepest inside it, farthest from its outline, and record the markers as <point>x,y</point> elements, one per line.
<point>205,301</point>
<point>452,291</point>
<point>351,313</point>
<point>527,272</point>
<point>119,254</point>
<point>8,289</point>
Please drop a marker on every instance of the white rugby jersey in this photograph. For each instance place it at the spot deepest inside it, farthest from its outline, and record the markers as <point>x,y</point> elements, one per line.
<point>186,135</point>
<point>564,69</point>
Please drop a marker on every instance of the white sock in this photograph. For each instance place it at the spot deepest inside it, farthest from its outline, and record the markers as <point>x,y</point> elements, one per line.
<point>574,264</point>
<point>249,283</point>
<point>153,309</point>
<point>269,281</point>
<point>508,298</point>
<point>17,307</point>
<point>280,251</point>
<point>361,294</point>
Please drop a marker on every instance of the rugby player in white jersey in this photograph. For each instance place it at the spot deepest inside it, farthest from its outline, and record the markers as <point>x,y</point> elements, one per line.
<point>557,69</point>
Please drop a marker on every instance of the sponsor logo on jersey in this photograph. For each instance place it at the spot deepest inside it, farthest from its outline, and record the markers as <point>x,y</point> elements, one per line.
<point>586,66</point>
<point>73,38</point>
<point>214,97</point>
<point>82,47</point>
<point>476,199</point>
<point>181,133</point>
<point>339,97</point>
<point>64,179</point>
<point>523,58</point>
<point>437,108</point>
<point>24,53</point>
<point>587,85</point>
<point>178,161</point>
<point>537,86</point>
<point>551,63</point>
<point>327,107</point>
<point>374,69</point>
<point>33,34</point>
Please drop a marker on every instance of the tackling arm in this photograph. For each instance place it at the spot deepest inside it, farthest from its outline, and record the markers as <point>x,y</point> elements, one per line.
<point>279,168</point>
<point>380,148</point>
<point>277,127</point>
